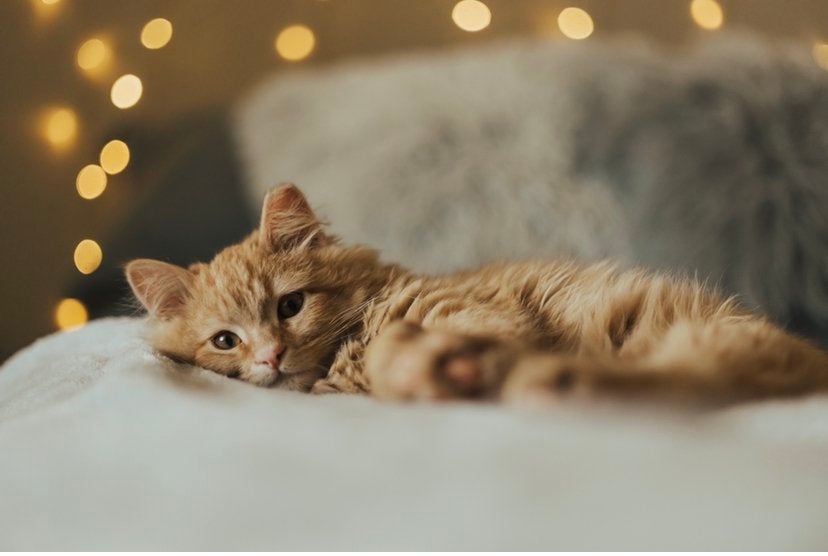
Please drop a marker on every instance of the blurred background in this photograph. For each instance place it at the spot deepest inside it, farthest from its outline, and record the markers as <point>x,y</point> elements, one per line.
<point>101,102</point>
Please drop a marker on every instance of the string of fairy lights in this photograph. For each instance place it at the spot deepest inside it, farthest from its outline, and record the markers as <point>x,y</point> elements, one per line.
<point>292,43</point>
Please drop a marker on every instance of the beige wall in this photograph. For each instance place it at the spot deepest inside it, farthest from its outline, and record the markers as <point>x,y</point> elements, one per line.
<point>220,48</point>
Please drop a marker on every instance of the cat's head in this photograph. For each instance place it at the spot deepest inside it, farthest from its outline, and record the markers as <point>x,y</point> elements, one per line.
<point>270,310</point>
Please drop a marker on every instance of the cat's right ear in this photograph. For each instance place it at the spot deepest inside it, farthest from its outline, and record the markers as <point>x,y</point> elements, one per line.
<point>161,288</point>
<point>288,220</point>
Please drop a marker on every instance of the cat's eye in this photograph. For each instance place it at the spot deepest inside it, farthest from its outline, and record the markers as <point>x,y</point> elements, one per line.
<point>226,340</point>
<point>290,305</point>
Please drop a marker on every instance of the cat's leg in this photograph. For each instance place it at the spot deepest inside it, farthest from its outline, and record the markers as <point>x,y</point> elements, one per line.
<point>410,362</point>
<point>712,362</point>
<point>695,362</point>
<point>346,374</point>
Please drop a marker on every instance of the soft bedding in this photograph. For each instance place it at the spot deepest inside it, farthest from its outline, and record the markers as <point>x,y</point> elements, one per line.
<point>107,446</point>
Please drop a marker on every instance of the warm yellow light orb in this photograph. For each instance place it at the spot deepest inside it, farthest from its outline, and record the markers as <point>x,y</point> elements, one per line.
<point>156,33</point>
<point>91,181</point>
<point>575,23</point>
<point>707,14</point>
<point>295,43</point>
<point>70,314</point>
<point>126,91</point>
<point>60,127</point>
<point>88,256</point>
<point>471,15</point>
<point>93,54</point>
<point>46,10</point>
<point>114,157</point>
<point>820,53</point>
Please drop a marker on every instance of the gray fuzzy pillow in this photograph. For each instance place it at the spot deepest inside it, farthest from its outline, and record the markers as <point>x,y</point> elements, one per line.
<point>712,162</point>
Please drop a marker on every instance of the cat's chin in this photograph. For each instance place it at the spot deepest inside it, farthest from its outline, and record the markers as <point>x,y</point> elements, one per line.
<point>262,375</point>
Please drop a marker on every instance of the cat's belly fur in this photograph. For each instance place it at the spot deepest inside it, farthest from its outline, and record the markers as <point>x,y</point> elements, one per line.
<point>547,305</point>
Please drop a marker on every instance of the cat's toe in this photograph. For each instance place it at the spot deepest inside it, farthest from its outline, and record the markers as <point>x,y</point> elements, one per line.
<point>542,380</point>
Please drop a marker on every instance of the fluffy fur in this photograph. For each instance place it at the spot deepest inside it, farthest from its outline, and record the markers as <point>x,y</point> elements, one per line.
<point>516,331</point>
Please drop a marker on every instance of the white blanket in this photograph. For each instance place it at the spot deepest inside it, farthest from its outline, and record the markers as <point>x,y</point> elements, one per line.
<point>106,446</point>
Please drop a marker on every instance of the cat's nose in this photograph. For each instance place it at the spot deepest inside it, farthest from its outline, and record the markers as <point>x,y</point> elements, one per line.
<point>269,356</point>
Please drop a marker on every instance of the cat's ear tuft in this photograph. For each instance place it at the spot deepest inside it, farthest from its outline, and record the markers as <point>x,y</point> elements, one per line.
<point>288,220</point>
<point>161,288</point>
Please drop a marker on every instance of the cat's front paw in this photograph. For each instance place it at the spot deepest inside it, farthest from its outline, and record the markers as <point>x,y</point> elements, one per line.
<point>336,383</point>
<point>407,362</point>
<point>322,386</point>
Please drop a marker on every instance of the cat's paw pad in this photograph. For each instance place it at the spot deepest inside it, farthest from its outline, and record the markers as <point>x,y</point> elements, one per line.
<point>409,362</point>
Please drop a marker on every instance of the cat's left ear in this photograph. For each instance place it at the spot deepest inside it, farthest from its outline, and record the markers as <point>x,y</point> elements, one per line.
<point>288,221</point>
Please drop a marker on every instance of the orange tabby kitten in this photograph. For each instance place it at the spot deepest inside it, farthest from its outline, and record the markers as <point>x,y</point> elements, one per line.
<point>291,307</point>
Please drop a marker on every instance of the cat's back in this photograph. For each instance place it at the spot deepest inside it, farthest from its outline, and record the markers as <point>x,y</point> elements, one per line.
<point>501,296</point>
<point>523,281</point>
<point>531,298</point>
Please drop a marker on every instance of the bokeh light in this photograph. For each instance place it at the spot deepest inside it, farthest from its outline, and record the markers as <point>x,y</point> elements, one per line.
<point>707,14</point>
<point>114,157</point>
<point>471,15</point>
<point>88,256</point>
<point>91,181</point>
<point>126,91</point>
<point>156,33</point>
<point>60,127</point>
<point>70,314</point>
<point>820,53</point>
<point>46,10</point>
<point>575,23</point>
<point>295,43</point>
<point>93,55</point>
